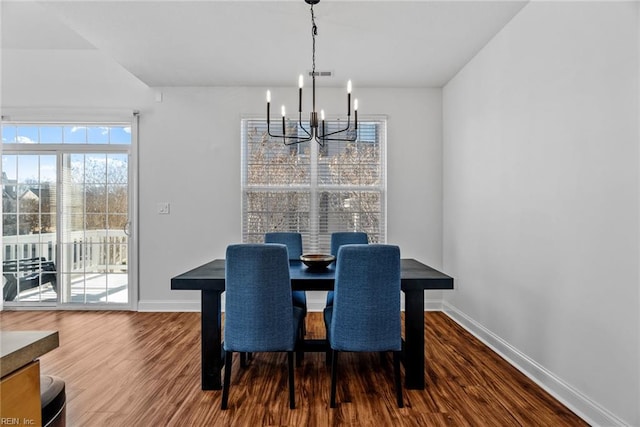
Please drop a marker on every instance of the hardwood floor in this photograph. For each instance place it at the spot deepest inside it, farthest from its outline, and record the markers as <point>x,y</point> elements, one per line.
<point>143,369</point>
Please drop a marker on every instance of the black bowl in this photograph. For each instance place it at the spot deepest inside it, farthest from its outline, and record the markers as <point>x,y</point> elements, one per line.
<point>317,261</point>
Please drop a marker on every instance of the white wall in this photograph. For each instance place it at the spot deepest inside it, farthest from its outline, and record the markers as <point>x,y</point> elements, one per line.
<point>66,80</point>
<point>541,201</point>
<point>190,157</point>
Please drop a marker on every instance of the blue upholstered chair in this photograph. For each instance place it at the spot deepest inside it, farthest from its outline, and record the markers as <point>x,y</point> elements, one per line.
<point>344,238</point>
<point>293,241</point>
<point>365,315</point>
<point>259,315</point>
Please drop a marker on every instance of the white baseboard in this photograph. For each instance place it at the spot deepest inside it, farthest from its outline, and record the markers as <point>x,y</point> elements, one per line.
<point>580,404</point>
<point>164,305</point>
<point>432,305</point>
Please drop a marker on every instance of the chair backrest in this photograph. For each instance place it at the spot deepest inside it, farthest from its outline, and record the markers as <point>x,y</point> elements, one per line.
<point>259,312</point>
<point>366,308</point>
<point>293,241</point>
<point>347,238</point>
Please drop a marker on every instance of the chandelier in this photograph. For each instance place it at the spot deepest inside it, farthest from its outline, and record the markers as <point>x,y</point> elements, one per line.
<point>314,129</point>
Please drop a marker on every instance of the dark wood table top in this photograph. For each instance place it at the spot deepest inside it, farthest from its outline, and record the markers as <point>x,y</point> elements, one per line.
<point>211,276</point>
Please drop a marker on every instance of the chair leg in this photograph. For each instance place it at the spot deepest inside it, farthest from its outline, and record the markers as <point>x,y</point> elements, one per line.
<point>334,370</point>
<point>292,388</point>
<point>299,357</point>
<point>243,360</point>
<point>383,357</point>
<point>398,381</point>
<point>228,361</point>
<point>298,349</point>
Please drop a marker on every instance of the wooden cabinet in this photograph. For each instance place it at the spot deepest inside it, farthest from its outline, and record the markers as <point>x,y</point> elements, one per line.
<point>20,375</point>
<point>20,397</point>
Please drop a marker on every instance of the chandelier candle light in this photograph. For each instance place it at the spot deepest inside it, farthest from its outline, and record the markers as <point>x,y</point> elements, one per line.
<point>312,131</point>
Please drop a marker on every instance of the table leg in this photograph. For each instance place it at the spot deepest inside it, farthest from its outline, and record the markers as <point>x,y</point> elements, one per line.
<point>211,341</point>
<point>414,339</point>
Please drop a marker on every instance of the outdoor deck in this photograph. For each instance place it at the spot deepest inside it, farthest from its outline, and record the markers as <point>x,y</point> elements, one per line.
<point>93,290</point>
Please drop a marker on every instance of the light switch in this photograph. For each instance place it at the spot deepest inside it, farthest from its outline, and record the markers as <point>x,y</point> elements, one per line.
<point>163,208</point>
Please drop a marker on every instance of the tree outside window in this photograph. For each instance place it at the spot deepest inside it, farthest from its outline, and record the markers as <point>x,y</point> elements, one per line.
<point>311,189</point>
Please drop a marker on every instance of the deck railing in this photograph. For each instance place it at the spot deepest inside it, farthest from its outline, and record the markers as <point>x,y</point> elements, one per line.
<point>93,250</point>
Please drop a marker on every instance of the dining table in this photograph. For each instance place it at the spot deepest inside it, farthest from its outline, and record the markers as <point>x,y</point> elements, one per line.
<point>209,279</point>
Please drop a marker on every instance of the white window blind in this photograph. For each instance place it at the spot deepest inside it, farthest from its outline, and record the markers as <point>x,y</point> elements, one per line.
<point>311,189</point>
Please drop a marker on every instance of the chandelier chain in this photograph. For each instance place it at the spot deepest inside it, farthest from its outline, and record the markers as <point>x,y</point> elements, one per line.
<point>314,33</point>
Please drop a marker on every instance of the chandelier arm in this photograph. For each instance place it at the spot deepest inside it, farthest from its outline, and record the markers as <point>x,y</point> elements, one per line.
<point>309,134</point>
<point>284,136</point>
<point>319,141</point>
<point>347,128</point>
<point>287,139</point>
<point>300,141</point>
<point>296,138</point>
<point>303,139</point>
<point>336,132</point>
<point>354,139</point>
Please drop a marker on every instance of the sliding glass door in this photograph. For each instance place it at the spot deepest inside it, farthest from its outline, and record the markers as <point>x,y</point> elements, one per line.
<point>94,226</point>
<point>29,227</point>
<point>66,236</point>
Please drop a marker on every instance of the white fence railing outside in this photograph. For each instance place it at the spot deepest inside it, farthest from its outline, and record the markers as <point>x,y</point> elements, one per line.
<point>93,250</point>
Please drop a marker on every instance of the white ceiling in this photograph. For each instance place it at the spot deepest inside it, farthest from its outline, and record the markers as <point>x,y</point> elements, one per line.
<point>259,43</point>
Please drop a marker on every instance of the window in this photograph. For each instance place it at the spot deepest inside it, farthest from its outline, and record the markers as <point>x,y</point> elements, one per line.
<point>311,189</point>
<point>33,133</point>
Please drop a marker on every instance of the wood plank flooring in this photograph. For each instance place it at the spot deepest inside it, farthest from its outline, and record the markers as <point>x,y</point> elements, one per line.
<point>143,369</point>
